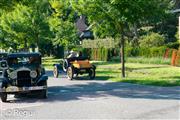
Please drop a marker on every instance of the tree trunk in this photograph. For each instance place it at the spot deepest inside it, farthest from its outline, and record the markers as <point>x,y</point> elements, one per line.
<point>122,53</point>
<point>37,40</point>
<point>25,45</point>
<point>136,35</point>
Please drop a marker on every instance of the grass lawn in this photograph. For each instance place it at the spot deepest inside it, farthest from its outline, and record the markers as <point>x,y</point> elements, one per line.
<point>146,74</point>
<point>49,61</point>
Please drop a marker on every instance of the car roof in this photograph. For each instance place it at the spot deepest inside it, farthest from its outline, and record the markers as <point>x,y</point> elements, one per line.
<point>24,54</point>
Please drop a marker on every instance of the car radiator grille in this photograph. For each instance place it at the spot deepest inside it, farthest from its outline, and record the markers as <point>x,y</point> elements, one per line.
<point>23,79</point>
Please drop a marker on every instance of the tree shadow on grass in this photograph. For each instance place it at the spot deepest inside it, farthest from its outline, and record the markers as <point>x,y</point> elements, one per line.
<point>107,72</point>
<point>104,63</point>
<point>97,78</point>
<point>143,68</point>
<point>162,83</point>
<point>172,77</point>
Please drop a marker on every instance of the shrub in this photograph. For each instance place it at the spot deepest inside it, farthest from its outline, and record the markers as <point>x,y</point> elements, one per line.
<point>152,40</point>
<point>157,51</point>
<point>115,59</point>
<point>145,52</point>
<point>174,45</point>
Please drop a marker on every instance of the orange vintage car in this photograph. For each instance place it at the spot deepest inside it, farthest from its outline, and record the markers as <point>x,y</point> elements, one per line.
<point>75,66</point>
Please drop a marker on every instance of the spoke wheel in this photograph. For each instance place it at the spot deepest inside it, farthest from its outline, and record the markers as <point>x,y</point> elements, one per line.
<point>65,65</point>
<point>55,72</point>
<point>70,73</point>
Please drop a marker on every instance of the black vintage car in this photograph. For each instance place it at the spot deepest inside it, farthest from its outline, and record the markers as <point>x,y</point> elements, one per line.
<point>23,73</point>
<point>3,56</point>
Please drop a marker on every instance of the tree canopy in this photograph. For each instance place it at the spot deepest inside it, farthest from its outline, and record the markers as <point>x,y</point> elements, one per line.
<point>113,17</point>
<point>50,24</point>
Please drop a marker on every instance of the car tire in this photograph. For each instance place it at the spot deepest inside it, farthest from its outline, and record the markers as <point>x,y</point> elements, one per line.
<point>70,73</point>
<point>65,65</point>
<point>55,72</point>
<point>5,74</point>
<point>4,97</point>
<point>92,73</point>
<point>44,94</point>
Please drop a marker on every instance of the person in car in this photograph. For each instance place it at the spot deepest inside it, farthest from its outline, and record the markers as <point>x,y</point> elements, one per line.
<point>72,54</point>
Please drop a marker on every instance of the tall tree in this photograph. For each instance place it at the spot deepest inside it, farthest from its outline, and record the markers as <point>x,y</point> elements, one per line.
<point>16,24</point>
<point>62,23</point>
<point>27,23</point>
<point>115,15</point>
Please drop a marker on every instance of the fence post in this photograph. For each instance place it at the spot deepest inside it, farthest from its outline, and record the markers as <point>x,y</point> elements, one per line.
<point>166,54</point>
<point>177,60</point>
<point>174,54</point>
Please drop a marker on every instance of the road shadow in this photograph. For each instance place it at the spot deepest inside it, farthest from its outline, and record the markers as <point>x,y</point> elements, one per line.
<point>121,90</point>
<point>105,89</point>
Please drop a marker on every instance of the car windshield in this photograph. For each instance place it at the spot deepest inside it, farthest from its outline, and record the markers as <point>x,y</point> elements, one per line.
<point>23,60</point>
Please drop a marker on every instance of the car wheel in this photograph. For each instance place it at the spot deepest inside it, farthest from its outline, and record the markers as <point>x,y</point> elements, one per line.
<point>4,97</point>
<point>44,94</point>
<point>70,73</point>
<point>65,65</point>
<point>92,73</point>
<point>55,72</point>
<point>5,74</point>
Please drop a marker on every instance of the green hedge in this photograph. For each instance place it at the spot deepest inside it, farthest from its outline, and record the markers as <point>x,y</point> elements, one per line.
<point>100,54</point>
<point>104,54</point>
<point>174,45</point>
<point>145,52</point>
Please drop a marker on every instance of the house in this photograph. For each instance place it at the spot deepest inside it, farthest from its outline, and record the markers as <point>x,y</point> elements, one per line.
<point>84,31</point>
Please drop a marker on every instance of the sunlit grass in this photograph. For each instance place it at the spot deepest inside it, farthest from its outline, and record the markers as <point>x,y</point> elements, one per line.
<point>48,62</point>
<point>153,60</point>
<point>147,74</point>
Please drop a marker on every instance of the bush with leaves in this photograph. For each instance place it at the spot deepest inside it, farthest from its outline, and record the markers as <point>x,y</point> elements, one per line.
<point>152,40</point>
<point>145,52</point>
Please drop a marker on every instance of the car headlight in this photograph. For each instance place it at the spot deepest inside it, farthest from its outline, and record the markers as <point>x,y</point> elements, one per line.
<point>33,74</point>
<point>13,75</point>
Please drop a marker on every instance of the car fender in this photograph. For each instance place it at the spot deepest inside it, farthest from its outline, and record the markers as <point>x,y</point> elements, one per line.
<point>42,78</point>
<point>57,65</point>
<point>5,81</point>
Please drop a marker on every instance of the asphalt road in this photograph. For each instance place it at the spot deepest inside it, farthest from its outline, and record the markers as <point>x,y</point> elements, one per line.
<point>95,99</point>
